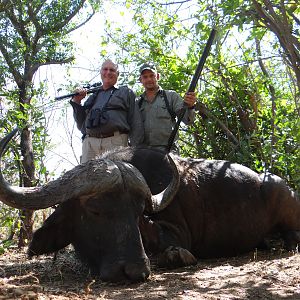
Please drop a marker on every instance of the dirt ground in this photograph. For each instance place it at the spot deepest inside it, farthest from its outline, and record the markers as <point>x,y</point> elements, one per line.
<point>272,274</point>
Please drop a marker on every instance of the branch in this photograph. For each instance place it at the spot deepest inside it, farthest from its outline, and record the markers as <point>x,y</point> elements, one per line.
<point>273,97</point>
<point>205,111</point>
<point>295,18</point>
<point>283,32</point>
<point>17,76</point>
<point>175,2</point>
<point>246,122</point>
<point>60,25</point>
<point>39,6</point>
<point>81,24</point>
<point>32,14</point>
<point>284,29</point>
<point>35,67</point>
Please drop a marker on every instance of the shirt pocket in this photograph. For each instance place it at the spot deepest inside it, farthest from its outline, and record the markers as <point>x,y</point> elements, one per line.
<point>163,120</point>
<point>117,102</point>
<point>162,112</point>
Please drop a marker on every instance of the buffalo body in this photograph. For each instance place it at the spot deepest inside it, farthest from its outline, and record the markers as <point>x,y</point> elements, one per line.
<point>213,208</point>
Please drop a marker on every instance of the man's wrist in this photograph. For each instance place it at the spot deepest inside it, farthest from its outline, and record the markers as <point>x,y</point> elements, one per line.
<point>76,100</point>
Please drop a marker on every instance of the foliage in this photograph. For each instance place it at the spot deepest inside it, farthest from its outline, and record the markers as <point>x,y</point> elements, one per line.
<point>33,34</point>
<point>248,108</point>
<point>12,160</point>
<point>248,95</point>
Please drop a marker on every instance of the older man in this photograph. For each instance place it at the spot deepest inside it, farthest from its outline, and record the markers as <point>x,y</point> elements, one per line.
<point>109,118</point>
<point>160,108</point>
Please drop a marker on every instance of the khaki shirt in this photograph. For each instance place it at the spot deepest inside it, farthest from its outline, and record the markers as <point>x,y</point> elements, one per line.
<point>157,120</point>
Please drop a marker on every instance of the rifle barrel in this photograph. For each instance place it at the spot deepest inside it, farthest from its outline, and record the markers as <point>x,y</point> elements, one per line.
<point>89,91</point>
<point>192,86</point>
<point>201,62</point>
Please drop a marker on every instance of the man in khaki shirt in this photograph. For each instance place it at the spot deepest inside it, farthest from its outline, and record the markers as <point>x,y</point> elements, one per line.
<point>159,109</point>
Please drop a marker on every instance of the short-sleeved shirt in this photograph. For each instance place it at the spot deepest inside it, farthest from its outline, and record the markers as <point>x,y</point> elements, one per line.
<point>158,123</point>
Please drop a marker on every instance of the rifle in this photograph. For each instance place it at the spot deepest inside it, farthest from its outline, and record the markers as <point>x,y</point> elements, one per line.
<point>91,88</point>
<point>192,86</point>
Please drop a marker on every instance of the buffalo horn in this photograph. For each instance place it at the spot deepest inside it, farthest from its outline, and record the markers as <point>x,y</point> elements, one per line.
<point>163,199</point>
<point>90,179</point>
<point>135,182</point>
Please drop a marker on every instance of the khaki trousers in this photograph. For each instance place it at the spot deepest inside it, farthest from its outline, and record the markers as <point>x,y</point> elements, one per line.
<point>92,147</point>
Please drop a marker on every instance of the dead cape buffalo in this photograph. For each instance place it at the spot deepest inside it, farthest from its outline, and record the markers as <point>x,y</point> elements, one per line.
<point>107,210</point>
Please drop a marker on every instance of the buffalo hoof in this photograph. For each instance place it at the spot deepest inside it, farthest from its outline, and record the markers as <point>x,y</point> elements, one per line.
<point>175,257</point>
<point>291,240</point>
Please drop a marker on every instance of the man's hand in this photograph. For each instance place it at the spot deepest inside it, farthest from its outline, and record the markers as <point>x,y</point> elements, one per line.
<point>81,94</point>
<point>190,99</point>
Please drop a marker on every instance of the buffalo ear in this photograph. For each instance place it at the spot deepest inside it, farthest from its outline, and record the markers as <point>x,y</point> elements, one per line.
<point>56,232</point>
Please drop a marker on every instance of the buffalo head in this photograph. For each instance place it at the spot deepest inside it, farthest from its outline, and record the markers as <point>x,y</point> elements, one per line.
<point>100,203</point>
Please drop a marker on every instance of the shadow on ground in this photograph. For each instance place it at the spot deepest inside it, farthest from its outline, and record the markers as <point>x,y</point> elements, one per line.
<point>256,275</point>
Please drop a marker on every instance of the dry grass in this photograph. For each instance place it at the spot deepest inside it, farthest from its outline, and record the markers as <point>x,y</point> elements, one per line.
<point>257,275</point>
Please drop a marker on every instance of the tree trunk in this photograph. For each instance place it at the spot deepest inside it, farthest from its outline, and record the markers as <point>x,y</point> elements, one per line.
<point>27,179</point>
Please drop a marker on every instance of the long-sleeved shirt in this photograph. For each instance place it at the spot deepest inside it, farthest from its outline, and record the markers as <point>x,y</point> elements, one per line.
<point>158,123</point>
<point>120,113</point>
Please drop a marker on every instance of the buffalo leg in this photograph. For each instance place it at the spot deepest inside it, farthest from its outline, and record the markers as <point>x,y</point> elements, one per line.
<point>291,240</point>
<point>55,234</point>
<point>175,257</point>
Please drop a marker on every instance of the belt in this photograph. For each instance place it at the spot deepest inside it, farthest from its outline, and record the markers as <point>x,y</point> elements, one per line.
<point>103,136</point>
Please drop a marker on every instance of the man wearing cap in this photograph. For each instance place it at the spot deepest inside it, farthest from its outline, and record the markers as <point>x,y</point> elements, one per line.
<point>109,118</point>
<point>159,109</point>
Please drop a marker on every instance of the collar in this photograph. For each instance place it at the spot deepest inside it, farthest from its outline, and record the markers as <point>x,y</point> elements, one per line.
<point>115,87</point>
<point>159,91</point>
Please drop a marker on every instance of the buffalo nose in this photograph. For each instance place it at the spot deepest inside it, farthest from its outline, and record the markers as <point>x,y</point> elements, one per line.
<point>125,271</point>
<point>137,272</point>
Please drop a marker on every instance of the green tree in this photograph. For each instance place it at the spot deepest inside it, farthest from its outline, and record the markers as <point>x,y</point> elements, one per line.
<point>249,89</point>
<point>34,33</point>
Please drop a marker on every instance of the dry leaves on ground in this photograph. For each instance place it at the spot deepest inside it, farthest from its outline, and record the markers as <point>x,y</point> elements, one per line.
<point>257,275</point>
